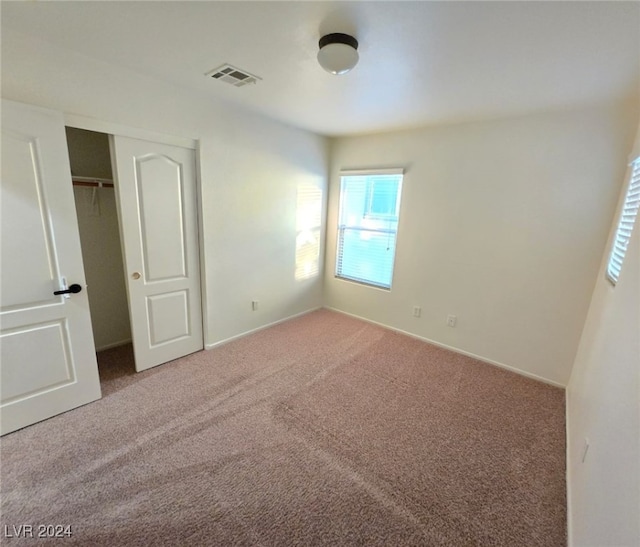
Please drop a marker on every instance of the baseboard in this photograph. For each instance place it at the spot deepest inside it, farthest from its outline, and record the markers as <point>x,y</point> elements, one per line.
<point>455,350</point>
<point>247,333</point>
<point>568,470</point>
<point>114,344</point>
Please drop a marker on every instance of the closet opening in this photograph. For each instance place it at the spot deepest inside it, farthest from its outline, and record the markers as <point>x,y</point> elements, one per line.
<point>102,252</point>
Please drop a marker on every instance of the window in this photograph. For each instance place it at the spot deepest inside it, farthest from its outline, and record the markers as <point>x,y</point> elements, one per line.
<point>625,224</point>
<point>368,225</point>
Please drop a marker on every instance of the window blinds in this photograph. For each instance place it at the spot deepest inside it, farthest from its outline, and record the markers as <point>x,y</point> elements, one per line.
<point>625,226</point>
<point>367,226</point>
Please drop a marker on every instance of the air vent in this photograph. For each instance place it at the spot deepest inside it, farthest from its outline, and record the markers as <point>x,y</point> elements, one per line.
<point>232,75</point>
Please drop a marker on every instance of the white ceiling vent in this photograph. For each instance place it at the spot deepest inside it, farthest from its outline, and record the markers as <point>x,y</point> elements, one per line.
<point>232,75</point>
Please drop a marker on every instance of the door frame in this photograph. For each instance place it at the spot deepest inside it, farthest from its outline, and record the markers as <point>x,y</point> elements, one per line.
<point>100,126</point>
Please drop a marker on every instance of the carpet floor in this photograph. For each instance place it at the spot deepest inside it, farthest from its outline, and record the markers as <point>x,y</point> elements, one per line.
<point>324,430</point>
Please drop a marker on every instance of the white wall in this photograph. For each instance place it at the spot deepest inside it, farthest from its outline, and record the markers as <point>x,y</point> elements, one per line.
<point>261,180</point>
<point>89,153</point>
<point>89,156</point>
<point>104,271</point>
<point>603,405</point>
<point>502,223</point>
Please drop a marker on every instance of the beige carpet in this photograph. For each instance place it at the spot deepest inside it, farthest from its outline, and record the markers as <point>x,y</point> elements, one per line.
<point>320,431</point>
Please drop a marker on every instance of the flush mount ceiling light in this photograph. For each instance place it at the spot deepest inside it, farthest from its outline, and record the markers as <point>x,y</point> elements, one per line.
<point>338,53</point>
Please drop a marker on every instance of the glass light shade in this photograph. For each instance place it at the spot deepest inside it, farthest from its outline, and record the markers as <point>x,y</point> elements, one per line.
<point>338,58</point>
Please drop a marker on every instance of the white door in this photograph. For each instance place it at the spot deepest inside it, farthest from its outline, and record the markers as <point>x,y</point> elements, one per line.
<point>48,362</point>
<point>156,191</point>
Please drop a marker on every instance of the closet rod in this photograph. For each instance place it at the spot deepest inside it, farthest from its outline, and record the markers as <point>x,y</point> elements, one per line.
<point>92,181</point>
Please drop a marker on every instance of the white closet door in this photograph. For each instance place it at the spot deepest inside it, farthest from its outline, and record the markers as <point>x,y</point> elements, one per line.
<point>156,190</point>
<point>47,353</point>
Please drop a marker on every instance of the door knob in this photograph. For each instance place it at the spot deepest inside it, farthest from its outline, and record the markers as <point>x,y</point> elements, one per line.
<point>135,275</point>
<point>75,288</point>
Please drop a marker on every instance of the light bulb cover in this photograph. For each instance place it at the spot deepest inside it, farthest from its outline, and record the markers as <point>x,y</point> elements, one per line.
<point>338,53</point>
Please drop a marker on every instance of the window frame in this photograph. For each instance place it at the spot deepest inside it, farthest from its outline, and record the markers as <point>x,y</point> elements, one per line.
<point>622,235</point>
<point>368,215</point>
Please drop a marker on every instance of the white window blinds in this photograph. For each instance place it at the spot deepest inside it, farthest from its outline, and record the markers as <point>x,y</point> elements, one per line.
<point>627,220</point>
<point>368,226</point>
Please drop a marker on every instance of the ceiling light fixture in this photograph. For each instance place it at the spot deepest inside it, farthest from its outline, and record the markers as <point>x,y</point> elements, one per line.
<point>338,53</point>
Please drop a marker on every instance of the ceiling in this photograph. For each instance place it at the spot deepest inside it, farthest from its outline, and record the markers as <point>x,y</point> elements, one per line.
<point>421,63</point>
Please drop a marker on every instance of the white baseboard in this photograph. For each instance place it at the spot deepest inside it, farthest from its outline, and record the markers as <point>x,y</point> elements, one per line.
<point>247,333</point>
<point>114,344</point>
<point>455,350</point>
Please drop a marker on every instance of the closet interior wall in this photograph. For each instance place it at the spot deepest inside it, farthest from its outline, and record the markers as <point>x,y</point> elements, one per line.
<point>90,160</point>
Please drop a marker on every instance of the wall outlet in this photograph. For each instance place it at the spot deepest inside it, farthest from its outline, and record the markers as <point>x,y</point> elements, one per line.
<point>452,320</point>
<point>254,305</point>
<point>417,310</point>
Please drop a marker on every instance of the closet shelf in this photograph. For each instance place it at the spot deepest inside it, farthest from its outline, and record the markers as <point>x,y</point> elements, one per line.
<point>92,182</point>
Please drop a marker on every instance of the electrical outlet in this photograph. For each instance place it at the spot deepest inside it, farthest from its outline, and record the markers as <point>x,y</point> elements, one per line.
<point>254,305</point>
<point>452,320</point>
<point>417,310</point>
